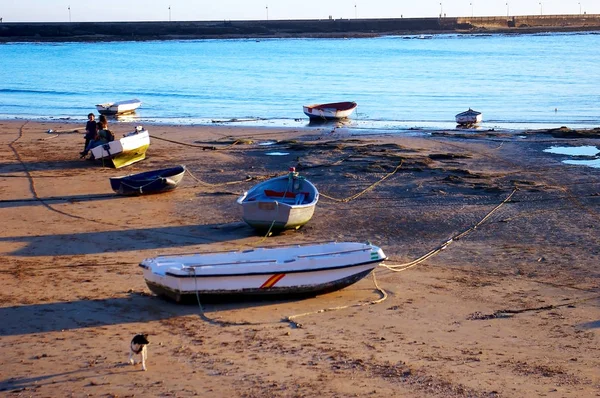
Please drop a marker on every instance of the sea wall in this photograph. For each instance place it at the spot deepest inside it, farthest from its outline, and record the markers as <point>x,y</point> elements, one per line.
<point>559,22</point>
<point>96,31</point>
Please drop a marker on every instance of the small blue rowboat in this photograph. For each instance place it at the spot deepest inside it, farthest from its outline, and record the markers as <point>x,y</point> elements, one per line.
<point>149,182</point>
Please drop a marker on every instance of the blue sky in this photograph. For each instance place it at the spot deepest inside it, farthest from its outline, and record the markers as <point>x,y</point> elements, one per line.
<point>198,10</point>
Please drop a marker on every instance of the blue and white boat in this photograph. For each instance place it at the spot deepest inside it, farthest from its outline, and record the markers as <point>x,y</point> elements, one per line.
<point>285,202</point>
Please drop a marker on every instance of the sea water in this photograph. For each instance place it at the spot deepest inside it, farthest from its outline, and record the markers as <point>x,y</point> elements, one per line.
<point>399,82</point>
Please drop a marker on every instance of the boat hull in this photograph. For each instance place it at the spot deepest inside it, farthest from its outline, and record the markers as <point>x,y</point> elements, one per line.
<point>469,120</point>
<point>124,151</point>
<point>118,108</point>
<point>276,216</point>
<point>177,295</point>
<point>150,182</point>
<point>279,204</point>
<point>265,272</point>
<point>469,117</point>
<point>331,111</point>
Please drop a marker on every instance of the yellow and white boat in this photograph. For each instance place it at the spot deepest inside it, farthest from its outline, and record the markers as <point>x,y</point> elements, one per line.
<point>124,151</point>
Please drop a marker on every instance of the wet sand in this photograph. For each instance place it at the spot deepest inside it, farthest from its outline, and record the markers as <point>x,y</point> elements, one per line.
<point>509,307</point>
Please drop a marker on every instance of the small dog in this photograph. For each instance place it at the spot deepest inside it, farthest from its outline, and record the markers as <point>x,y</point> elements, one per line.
<point>138,347</point>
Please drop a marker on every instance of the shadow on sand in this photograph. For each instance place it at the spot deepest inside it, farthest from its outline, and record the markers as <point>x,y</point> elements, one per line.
<point>136,308</point>
<point>128,240</point>
<point>590,325</point>
<point>73,315</point>
<point>28,385</point>
<point>11,203</point>
<point>54,165</point>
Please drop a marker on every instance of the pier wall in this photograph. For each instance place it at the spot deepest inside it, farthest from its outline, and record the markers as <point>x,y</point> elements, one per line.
<point>584,21</point>
<point>99,31</point>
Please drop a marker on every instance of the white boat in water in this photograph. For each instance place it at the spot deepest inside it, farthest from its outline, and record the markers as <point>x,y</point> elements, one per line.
<point>124,151</point>
<point>285,202</point>
<point>119,108</point>
<point>330,111</point>
<point>298,270</point>
<point>469,117</point>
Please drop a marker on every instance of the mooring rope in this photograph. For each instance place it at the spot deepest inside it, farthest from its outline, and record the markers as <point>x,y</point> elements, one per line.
<point>348,199</point>
<point>204,147</point>
<point>507,313</point>
<point>400,268</point>
<point>208,184</point>
<point>382,292</point>
<point>30,177</point>
<point>405,266</point>
<point>218,322</point>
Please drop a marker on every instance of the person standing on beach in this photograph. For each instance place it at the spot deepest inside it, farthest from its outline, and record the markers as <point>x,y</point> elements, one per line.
<point>91,131</point>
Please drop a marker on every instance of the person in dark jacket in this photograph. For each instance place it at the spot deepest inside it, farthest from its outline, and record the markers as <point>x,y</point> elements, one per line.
<point>91,131</point>
<point>103,136</point>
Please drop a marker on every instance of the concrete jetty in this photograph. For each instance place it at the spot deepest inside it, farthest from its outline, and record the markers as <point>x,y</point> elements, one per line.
<point>182,30</point>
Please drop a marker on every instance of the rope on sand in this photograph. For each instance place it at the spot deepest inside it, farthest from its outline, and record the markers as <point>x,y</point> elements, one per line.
<point>295,324</point>
<point>401,267</point>
<point>405,266</point>
<point>30,177</point>
<point>217,321</point>
<point>204,147</point>
<point>199,181</point>
<point>348,199</point>
<point>507,313</point>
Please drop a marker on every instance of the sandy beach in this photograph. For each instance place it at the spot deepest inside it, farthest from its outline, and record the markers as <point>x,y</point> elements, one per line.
<point>508,308</point>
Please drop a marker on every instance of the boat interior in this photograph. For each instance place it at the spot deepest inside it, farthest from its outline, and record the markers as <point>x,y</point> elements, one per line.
<point>292,198</point>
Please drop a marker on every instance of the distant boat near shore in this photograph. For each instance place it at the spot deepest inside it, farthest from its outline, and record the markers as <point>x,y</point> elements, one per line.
<point>469,118</point>
<point>119,108</point>
<point>330,111</point>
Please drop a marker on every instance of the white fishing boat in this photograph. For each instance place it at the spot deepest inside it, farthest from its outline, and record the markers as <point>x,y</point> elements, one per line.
<point>124,151</point>
<point>468,117</point>
<point>330,111</point>
<point>285,202</point>
<point>119,108</point>
<point>298,270</point>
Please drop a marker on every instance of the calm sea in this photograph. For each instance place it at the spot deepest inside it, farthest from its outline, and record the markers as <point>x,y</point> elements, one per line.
<point>399,82</point>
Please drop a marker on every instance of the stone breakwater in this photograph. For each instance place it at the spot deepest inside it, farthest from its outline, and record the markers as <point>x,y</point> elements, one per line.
<point>178,30</point>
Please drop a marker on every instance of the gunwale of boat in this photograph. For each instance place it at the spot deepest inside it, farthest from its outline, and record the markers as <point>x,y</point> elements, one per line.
<point>286,259</point>
<point>340,106</point>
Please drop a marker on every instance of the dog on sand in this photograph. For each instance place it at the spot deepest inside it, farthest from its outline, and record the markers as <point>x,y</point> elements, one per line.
<point>137,347</point>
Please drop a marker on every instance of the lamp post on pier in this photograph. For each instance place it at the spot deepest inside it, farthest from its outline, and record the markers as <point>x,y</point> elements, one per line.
<point>267,8</point>
<point>507,10</point>
<point>541,9</point>
<point>69,7</point>
<point>441,10</point>
<point>355,12</point>
<point>169,13</point>
<point>471,4</point>
<point>579,8</point>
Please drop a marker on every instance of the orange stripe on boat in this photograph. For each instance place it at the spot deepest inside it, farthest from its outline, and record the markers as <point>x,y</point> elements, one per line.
<point>272,281</point>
